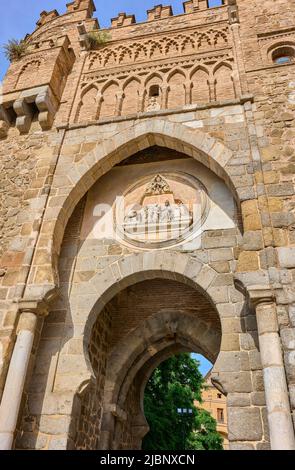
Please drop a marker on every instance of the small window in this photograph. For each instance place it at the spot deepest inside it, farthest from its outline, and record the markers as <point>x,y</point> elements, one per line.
<point>220,415</point>
<point>283,55</point>
<point>154,91</point>
<point>219,395</point>
<point>215,3</point>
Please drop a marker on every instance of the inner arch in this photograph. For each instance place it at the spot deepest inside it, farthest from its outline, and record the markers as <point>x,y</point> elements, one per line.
<point>141,326</point>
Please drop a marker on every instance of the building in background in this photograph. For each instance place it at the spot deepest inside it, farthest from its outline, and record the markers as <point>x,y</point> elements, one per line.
<point>215,403</point>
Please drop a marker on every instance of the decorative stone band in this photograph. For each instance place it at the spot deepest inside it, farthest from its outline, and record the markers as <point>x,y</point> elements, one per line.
<point>17,372</point>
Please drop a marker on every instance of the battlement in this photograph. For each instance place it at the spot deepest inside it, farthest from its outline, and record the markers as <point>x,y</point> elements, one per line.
<point>159,12</point>
<point>46,16</point>
<point>79,5</point>
<point>122,20</point>
<point>85,9</point>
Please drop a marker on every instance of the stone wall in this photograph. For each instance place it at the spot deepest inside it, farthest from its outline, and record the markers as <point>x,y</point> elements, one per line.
<point>88,432</point>
<point>63,142</point>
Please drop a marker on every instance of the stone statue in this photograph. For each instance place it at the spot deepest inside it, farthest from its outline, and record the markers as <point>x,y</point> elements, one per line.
<point>166,214</point>
<point>153,104</point>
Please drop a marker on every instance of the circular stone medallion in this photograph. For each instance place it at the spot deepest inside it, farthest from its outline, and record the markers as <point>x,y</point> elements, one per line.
<point>161,210</point>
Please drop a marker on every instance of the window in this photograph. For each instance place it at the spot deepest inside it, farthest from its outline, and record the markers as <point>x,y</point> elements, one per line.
<point>220,415</point>
<point>215,3</point>
<point>219,395</point>
<point>154,91</point>
<point>283,55</point>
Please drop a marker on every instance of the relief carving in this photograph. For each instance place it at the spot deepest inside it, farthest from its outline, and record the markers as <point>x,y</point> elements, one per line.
<point>162,210</point>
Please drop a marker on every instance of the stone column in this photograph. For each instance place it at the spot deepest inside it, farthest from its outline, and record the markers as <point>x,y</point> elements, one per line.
<point>16,377</point>
<point>187,88</point>
<point>164,97</point>
<point>275,384</point>
<point>119,103</point>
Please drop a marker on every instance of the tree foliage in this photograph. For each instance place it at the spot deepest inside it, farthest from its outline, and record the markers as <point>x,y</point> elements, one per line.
<point>178,383</point>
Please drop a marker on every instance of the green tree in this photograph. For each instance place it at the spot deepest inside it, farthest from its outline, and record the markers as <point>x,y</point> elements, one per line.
<point>177,383</point>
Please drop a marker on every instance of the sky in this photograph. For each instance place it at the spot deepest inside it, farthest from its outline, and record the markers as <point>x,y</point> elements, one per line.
<point>19,17</point>
<point>205,365</point>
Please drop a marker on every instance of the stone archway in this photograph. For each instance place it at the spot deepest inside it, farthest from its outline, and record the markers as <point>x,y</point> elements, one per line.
<point>165,325</point>
<point>168,333</point>
<point>73,180</point>
<point>232,372</point>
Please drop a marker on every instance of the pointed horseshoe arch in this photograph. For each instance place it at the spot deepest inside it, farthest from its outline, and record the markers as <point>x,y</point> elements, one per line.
<point>76,181</point>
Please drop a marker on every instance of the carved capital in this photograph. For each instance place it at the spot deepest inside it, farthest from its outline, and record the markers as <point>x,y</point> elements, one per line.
<point>233,13</point>
<point>37,307</point>
<point>261,295</point>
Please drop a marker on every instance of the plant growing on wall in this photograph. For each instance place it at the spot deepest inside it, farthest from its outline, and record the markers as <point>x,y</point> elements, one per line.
<point>95,39</point>
<point>15,49</point>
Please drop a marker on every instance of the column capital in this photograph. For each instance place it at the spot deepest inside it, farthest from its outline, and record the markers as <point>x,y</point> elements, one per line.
<point>261,295</point>
<point>38,307</point>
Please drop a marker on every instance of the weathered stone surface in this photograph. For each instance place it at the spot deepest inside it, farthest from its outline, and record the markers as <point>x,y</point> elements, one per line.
<point>244,424</point>
<point>286,257</point>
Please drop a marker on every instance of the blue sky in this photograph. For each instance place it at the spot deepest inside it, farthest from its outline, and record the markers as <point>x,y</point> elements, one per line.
<point>18,17</point>
<point>205,365</point>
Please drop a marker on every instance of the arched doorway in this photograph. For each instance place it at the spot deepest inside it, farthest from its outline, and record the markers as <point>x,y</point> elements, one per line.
<point>73,376</point>
<point>140,327</point>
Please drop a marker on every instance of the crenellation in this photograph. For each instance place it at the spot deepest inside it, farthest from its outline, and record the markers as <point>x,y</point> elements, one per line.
<point>159,12</point>
<point>122,20</point>
<point>46,16</point>
<point>80,5</point>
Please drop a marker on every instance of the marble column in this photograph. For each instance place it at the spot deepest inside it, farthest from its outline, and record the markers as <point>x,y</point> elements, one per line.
<point>16,376</point>
<point>275,384</point>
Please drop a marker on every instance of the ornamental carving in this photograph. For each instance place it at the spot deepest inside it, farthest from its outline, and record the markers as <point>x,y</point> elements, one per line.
<point>161,210</point>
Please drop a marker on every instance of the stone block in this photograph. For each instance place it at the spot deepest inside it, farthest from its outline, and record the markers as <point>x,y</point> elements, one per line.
<point>288,338</point>
<point>257,378</point>
<point>230,342</point>
<point>263,446</point>
<point>290,365</point>
<point>58,443</point>
<point>244,424</point>
<point>238,399</point>
<point>286,257</point>
<point>205,277</point>
<point>222,254</point>
<point>252,241</point>
<point>241,446</point>
<point>56,424</point>
<point>31,441</point>
<point>292,395</point>
<point>239,382</point>
<point>229,361</point>
<point>248,261</point>
<point>258,398</point>
<point>255,360</point>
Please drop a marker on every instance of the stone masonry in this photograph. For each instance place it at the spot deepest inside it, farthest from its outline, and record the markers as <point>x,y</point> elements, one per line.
<point>147,207</point>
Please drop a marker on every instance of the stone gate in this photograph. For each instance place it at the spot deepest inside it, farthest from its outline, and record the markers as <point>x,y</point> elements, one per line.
<point>147,204</point>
